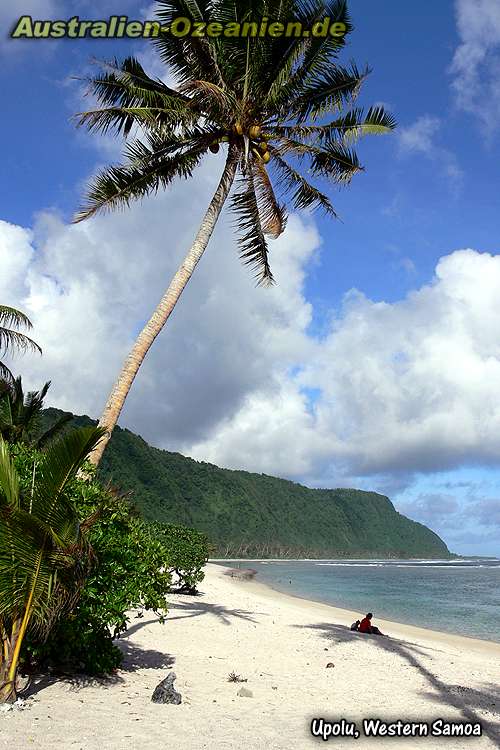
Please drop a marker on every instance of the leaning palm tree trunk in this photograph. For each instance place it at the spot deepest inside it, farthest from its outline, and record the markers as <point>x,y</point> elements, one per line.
<point>162,312</point>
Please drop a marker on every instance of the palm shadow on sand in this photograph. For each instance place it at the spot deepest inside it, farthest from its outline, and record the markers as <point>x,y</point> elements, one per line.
<point>195,608</point>
<point>468,701</point>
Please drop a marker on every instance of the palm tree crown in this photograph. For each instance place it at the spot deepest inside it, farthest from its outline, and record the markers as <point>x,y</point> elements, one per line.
<point>20,414</point>
<point>284,107</point>
<point>279,103</point>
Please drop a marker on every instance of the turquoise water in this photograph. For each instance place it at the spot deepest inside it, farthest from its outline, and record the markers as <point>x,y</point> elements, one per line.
<point>459,596</point>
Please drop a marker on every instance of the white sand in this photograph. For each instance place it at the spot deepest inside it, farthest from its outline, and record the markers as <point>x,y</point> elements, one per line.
<point>281,645</point>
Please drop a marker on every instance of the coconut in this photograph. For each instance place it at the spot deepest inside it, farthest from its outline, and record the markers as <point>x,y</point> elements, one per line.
<point>263,146</point>
<point>254,131</point>
<point>238,128</point>
<point>214,148</point>
<point>266,157</point>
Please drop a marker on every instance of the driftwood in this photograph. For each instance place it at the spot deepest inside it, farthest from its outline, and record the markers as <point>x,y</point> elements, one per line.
<point>242,574</point>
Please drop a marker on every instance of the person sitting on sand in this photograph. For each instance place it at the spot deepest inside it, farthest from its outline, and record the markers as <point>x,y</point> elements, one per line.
<point>355,625</point>
<point>365,626</point>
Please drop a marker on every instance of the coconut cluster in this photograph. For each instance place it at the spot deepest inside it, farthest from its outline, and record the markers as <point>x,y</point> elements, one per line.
<point>258,143</point>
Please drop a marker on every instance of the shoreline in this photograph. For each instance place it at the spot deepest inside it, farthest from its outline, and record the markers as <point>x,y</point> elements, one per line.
<point>343,611</point>
<point>296,660</point>
<point>348,616</point>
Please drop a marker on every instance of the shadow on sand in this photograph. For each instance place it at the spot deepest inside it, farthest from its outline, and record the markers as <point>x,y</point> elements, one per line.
<point>195,608</point>
<point>468,701</point>
<point>134,658</point>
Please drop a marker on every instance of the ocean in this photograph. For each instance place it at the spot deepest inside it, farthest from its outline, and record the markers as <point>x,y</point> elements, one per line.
<point>455,596</point>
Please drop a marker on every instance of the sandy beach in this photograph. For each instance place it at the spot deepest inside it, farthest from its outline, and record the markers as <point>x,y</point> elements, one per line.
<point>281,645</point>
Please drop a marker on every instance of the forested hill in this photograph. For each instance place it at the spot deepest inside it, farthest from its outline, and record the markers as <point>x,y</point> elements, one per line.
<point>247,514</point>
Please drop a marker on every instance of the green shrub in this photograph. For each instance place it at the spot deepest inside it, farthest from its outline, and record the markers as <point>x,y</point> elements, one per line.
<point>134,565</point>
<point>129,571</point>
<point>187,552</point>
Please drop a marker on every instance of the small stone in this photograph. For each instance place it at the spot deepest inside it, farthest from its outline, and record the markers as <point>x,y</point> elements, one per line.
<point>244,692</point>
<point>330,665</point>
<point>165,692</point>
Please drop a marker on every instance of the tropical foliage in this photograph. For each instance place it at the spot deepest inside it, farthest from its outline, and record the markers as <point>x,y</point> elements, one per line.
<point>187,553</point>
<point>135,564</point>
<point>258,95</point>
<point>283,109</point>
<point>245,514</point>
<point>12,339</point>
<point>129,572</point>
<point>44,554</point>
<point>20,414</point>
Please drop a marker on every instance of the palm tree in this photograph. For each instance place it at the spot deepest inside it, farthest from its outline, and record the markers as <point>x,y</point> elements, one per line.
<point>11,338</point>
<point>282,107</point>
<point>43,551</point>
<point>20,414</point>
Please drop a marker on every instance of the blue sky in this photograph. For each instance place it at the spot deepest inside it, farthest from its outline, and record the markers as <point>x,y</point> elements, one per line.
<point>348,288</point>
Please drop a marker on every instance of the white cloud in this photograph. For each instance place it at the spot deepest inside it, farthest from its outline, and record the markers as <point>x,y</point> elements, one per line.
<point>89,287</point>
<point>421,138</point>
<point>476,63</point>
<point>413,385</point>
<point>235,378</point>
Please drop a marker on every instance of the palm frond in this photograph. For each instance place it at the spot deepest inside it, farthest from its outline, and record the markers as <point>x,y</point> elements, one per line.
<point>332,89</point>
<point>303,194</point>
<point>33,404</point>
<point>335,161</point>
<point>273,214</point>
<point>307,55</point>
<point>6,375</point>
<point>209,97</point>
<point>351,126</point>
<point>60,463</point>
<point>6,416</point>
<point>9,316</point>
<point>130,97</point>
<point>252,242</point>
<point>11,340</point>
<point>354,125</point>
<point>117,186</point>
<point>189,58</point>
<point>9,480</point>
<point>53,431</point>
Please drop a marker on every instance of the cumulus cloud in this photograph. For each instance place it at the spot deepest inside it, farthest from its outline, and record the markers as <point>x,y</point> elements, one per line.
<point>88,289</point>
<point>236,377</point>
<point>476,63</point>
<point>412,385</point>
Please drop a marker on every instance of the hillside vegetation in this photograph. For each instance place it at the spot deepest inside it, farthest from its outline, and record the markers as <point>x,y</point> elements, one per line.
<point>246,514</point>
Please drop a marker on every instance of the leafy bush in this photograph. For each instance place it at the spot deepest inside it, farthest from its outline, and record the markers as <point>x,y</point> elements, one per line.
<point>129,572</point>
<point>45,556</point>
<point>187,553</point>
